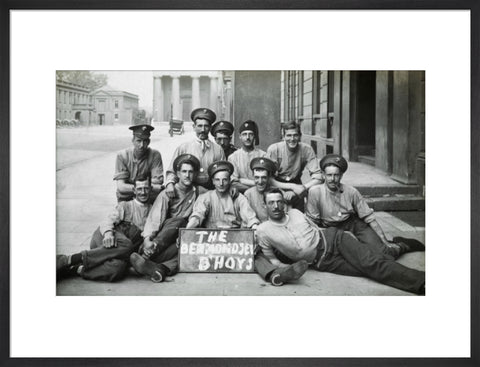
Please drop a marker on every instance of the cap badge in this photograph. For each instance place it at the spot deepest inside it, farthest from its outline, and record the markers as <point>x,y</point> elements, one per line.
<point>144,128</point>
<point>262,161</point>
<point>214,166</point>
<point>246,125</point>
<point>337,159</point>
<point>205,111</point>
<point>221,123</point>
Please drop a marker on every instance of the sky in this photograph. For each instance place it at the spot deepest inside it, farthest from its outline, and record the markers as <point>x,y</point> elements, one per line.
<point>136,82</point>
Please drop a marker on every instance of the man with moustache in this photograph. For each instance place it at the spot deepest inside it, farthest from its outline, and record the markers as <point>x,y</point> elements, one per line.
<point>157,257</point>
<point>291,237</point>
<point>205,150</point>
<point>113,241</point>
<point>242,177</point>
<point>263,168</point>
<point>139,160</point>
<point>292,157</point>
<point>334,204</point>
<point>222,132</point>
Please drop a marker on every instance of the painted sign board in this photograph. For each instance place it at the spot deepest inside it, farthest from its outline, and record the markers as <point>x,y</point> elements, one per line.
<point>216,250</point>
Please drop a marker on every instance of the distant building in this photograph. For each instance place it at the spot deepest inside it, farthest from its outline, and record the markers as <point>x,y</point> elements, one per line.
<point>113,106</point>
<point>74,102</point>
<point>177,93</point>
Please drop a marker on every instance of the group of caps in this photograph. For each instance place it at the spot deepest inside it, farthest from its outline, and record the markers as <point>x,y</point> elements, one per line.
<point>143,131</point>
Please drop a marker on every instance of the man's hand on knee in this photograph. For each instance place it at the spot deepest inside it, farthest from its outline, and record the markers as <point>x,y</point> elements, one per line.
<point>109,240</point>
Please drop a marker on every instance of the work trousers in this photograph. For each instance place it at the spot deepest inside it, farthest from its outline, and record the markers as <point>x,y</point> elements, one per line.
<point>167,250</point>
<point>110,264</point>
<point>365,234</point>
<point>346,255</point>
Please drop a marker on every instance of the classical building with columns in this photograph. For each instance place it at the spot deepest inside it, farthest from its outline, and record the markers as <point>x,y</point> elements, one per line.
<point>177,93</point>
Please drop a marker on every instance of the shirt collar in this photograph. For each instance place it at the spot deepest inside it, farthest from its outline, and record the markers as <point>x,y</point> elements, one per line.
<point>202,142</point>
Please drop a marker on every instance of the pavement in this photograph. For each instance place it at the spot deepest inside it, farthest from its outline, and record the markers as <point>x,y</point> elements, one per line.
<point>86,194</point>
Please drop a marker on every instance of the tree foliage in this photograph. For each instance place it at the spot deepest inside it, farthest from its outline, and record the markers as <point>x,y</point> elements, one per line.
<point>84,78</point>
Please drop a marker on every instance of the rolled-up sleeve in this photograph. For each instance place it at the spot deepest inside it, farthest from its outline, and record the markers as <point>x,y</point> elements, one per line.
<point>249,218</point>
<point>312,164</point>
<point>157,215</point>
<point>201,208</point>
<point>313,206</point>
<point>115,217</point>
<point>157,168</point>
<point>171,175</point>
<point>364,212</point>
<point>265,244</point>
<point>121,168</point>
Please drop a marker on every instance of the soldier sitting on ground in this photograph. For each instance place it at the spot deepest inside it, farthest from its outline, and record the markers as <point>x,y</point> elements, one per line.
<point>334,204</point>
<point>157,257</point>
<point>139,160</point>
<point>113,241</point>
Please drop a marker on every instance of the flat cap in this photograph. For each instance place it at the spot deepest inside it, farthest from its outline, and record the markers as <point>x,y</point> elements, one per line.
<point>250,125</point>
<point>186,158</point>
<point>219,166</point>
<point>263,163</point>
<point>203,113</point>
<point>336,160</point>
<point>142,130</point>
<point>222,126</point>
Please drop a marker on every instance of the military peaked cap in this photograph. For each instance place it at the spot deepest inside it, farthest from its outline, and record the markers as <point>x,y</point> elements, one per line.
<point>219,166</point>
<point>336,160</point>
<point>263,163</point>
<point>203,113</point>
<point>142,130</point>
<point>223,126</point>
<point>186,158</point>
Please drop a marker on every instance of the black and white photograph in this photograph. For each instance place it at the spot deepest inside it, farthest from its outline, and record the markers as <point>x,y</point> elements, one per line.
<point>324,169</point>
<point>241,186</point>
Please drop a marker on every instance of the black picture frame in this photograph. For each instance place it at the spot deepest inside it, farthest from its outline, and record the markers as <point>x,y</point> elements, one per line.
<point>6,6</point>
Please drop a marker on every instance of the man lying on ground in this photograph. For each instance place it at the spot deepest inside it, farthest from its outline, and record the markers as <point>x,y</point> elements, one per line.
<point>290,237</point>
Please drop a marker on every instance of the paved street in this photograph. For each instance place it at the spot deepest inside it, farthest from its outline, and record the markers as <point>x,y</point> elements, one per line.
<point>86,194</point>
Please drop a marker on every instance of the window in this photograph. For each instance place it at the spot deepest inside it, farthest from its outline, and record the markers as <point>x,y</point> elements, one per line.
<point>116,103</point>
<point>116,117</point>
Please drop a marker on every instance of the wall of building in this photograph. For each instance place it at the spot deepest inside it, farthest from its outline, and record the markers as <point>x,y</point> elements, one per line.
<point>372,117</point>
<point>73,102</point>
<point>256,97</point>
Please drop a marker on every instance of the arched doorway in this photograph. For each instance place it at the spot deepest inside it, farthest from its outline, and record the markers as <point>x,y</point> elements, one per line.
<point>77,115</point>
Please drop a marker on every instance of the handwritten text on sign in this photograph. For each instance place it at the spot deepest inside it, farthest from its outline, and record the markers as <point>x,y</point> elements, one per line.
<point>215,250</point>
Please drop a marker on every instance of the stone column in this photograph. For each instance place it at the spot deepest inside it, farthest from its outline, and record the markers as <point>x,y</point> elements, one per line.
<point>195,92</point>
<point>157,99</point>
<point>176,113</point>
<point>213,93</point>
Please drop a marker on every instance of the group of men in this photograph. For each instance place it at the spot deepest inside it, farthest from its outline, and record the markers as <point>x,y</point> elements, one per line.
<point>322,224</point>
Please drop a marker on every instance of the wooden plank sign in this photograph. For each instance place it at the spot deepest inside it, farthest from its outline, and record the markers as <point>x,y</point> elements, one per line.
<point>216,250</point>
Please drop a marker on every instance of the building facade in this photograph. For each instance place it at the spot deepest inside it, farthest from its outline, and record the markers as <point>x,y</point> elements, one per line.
<point>74,102</point>
<point>113,106</point>
<point>374,117</point>
<point>177,93</point>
